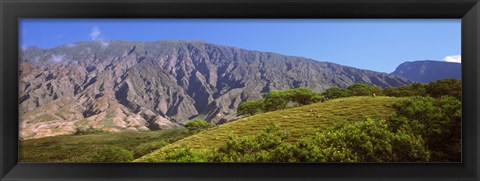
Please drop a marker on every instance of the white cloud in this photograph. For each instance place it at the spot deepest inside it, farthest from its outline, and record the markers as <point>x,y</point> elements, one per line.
<point>453,58</point>
<point>57,58</point>
<point>95,33</point>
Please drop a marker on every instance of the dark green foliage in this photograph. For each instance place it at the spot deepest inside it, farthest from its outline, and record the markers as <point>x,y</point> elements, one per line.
<point>186,155</point>
<point>405,91</point>
<point>147,148</point>
<point>303,96</point>
<point>335,92</point>
<point>279,99</point>
<point>275,100</point>
<point>365,141</point>
<point>251,108</point>
<point>196,126</point>
<point>443,87</point>
<point>437,121</point>
<point>268,146</point>
<point>359,89</point>
<point>113,154</point>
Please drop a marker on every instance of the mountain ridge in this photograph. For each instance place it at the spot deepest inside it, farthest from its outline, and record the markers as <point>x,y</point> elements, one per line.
<point>128,86</point>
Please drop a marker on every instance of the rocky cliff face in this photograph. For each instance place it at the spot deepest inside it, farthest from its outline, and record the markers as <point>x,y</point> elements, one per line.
<point>429,70</point>
<point>141,86</point>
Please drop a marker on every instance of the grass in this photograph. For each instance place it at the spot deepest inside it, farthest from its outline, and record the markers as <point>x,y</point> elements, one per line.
<point>81,148</point>
<point>300,122</point>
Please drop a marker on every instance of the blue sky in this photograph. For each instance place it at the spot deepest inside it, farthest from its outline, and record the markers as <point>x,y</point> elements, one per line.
<point>379,45</point>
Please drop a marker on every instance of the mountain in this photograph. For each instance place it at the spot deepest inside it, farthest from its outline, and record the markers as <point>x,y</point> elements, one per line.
<point>140,86</point>
<point>429,70</point>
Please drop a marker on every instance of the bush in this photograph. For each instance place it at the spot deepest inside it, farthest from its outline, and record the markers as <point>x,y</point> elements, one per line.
<point>360,89</point>
<point>250,108</point>
<point>335,92</point>
<point>147,148</point>
<point>186,155</point>
<point>268,146</point>
<point>275,100</point>
<point>405,91</point>
<point>303,96</point>
<point>364,141</point>
<point>445,87</point>
<point>437,121</point>
<point>113,154</point>
<point>196,126</point>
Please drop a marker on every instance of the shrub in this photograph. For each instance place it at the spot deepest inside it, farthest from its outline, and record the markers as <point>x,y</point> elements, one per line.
<point>335,92</point>
<point>196,126</point>
<point>445,87</point>
<point>147,148</point>
<point>360,89</point>
<point>268,146</point>
<point>186,155</point>
<point>275,100</point>
<point>407,90</point>
<point>113,154</point>
<point>251,108</point>
<point>303,96</point>
<point>437,121</point>
<point>364,141</point>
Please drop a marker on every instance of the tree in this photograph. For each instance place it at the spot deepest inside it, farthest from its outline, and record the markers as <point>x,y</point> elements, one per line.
<point>251,108</point>
<point>360,89</point>
<point>113,154</point>
<point>275,100</point>
<point>335,92</point>
<point>437,121</point>
<point>303,96</point>
<point>407,90</point>
<point>366,141</point>
<point>443,87</point>
<point>196,126</point>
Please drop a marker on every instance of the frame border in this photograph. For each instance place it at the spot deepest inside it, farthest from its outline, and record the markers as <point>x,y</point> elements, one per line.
<point>13,10</point>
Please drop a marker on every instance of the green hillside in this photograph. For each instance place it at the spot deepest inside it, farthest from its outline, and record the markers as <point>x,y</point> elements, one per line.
<point>300,122</point>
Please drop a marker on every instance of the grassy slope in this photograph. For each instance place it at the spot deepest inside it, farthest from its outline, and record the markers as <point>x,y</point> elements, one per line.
<point>80,148</point>
<point>300,122</point>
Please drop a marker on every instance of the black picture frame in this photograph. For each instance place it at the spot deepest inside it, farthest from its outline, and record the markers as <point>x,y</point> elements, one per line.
<point>466,10</point>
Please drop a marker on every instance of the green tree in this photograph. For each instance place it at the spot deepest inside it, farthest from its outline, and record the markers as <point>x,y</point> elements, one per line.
<point>443,87</point>
<point>407,90</point>
<point>360,89</point>
<point>251,108</point>
<point>275,100</point>
<point>113,154</point>
<point>437,121</point>
<point>303,96</point>
<point>335,92</point>
<point>366,141</point>
<point>196,126</point>
<point>268,146</point>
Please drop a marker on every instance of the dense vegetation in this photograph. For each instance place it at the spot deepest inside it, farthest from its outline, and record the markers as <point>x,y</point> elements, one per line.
<point>355,124</point>
<point>426,126</point>
<point>91,147</point>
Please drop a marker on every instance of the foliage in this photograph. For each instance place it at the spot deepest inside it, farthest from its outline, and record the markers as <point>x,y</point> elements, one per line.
<point>275,100</point>
<point>445,87</point>
<point>364,141</point>
<point>360,89</point>
<point>268,146</point>
<point>251,108</point>
<point>437,121</point>
<point>113,154</point>
<point>335,92</point>
<point>303,96</point>
<point>405,91</point>
<point>147,148</point>
<point>82,148</point>
<point>186,155</point>
<point>196,126</point>
<point>279,99</point>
